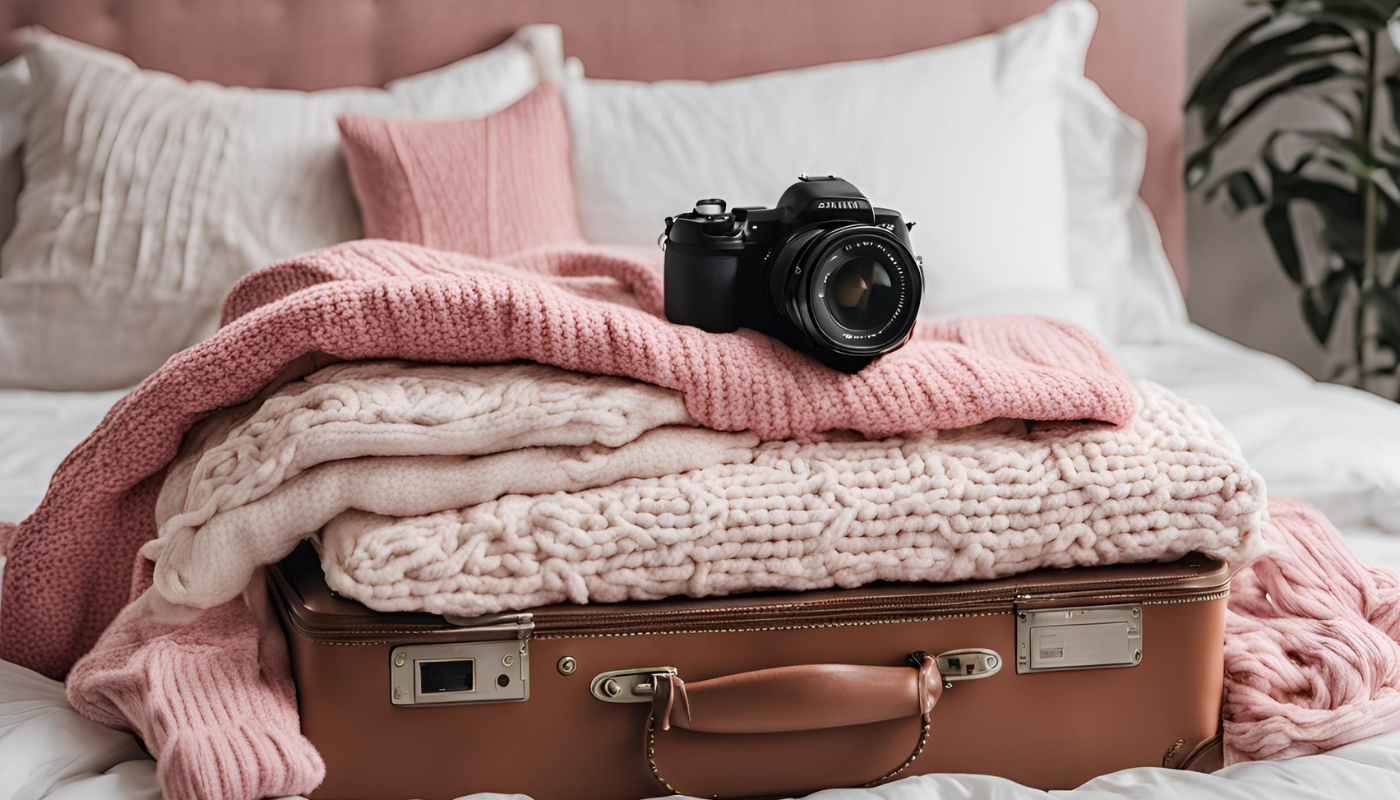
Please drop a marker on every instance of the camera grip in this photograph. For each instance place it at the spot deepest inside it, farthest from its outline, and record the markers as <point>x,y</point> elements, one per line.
<point>701,290</point>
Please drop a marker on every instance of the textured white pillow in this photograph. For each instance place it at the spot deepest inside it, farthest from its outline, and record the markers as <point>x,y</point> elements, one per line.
<point>146,197</point>
<point>964,140</point>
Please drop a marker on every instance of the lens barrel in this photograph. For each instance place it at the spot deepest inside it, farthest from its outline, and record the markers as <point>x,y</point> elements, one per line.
<point>853,289</point>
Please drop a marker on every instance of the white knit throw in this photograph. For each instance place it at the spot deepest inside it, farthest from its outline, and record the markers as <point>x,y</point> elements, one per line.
<point>495,488</point>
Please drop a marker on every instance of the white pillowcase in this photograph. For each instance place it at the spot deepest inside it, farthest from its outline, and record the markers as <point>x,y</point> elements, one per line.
<point>1115,251</point>
<point>964,140</point>
<point>1122,285</point>
<point>146,197</point>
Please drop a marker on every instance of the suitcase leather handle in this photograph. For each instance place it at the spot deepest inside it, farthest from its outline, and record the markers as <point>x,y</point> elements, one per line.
<point>799,698</point>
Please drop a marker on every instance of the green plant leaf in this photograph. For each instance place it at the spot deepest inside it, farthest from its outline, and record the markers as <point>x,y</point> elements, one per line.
<point>1346,153</point>
<point>1387,308</point>
<point>1278,223</point>
<point>1294,47</point>
<point>1366,15</point>
<point>1389,272</point>
<point>1343,207</point>
<point>1320,302</point>
<point>1199,164</point>
<point>1343,210</point>
<point>1242,189</point>
<point>1352,114</point>
<point>1237,44</point>
<point>1392,81</point>
<point>1218,128</point>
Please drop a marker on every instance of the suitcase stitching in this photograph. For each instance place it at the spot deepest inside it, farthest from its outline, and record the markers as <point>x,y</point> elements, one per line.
<point>816,603</point>
<point>1146,601</point>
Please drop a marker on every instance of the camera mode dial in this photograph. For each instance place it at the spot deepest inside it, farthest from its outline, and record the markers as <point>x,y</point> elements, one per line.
<point>708,218</point>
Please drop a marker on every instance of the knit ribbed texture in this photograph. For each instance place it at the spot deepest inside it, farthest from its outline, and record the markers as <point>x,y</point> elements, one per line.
<point>213,700</point>
<point>489,187</point>
<point>976,504</point>
<point>591,311</point>
<point>1312,643</point>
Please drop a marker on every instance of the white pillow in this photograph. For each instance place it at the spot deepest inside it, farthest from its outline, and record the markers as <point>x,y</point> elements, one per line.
<point>146,197</point>
<point>1122,285</point>
<point>964,140</point>
<point>1115,251</point>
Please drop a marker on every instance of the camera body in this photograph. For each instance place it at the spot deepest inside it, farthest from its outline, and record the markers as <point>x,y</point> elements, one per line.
<point>824,271</point>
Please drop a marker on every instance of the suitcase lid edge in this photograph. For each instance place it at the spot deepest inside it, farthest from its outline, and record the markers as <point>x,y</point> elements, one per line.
<point>306,603</point>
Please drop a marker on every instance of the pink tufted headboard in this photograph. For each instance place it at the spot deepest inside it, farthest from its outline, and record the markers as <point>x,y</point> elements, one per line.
<point>1138,55</point>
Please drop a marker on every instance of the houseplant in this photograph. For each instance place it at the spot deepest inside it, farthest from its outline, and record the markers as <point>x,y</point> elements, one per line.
<point>1341,175</point>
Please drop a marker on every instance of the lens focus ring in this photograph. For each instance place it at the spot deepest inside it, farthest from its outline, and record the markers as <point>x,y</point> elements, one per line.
<point>854,289</point>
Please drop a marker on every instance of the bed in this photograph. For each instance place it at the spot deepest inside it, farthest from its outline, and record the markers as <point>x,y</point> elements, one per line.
<point>1311,441</point>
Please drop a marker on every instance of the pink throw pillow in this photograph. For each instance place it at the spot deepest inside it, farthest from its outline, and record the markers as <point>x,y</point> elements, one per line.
<point>488,187</point>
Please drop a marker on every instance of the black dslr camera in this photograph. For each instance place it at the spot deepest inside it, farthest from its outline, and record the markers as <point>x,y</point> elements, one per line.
<point>824,271</point>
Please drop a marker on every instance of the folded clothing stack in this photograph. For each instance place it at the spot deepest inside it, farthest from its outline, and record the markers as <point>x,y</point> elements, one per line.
<point>503,488</point>
<point>646,460</point>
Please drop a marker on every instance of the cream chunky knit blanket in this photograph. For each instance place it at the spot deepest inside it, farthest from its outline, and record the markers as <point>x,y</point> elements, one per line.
<point>508,487</point>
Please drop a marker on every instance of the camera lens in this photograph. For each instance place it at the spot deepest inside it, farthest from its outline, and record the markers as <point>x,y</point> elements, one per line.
<point>862,294</point>
<point>853,289</point>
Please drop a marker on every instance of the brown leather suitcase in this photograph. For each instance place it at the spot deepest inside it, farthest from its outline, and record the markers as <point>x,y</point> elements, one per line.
<point>1048,678</point>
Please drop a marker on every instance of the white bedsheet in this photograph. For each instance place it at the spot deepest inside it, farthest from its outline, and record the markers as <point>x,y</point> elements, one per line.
<point>1334,447</point>
<point>37,429</point>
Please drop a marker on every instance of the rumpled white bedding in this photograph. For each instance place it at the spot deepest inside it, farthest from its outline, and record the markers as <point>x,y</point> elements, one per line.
<point>1330,446</point>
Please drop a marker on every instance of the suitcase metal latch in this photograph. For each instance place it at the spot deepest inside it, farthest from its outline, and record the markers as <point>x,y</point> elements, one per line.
<point>967,665</point>
<point>627,685</point>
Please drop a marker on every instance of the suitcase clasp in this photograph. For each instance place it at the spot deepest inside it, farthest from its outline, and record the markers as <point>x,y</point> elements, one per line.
<point>967,665</point>
<point>628,685</point>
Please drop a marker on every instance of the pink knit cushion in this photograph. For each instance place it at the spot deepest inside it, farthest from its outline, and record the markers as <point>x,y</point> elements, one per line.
<point>487,187</point>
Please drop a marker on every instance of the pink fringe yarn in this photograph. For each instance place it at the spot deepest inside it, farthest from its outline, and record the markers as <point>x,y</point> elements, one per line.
<point>1312,660</point>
